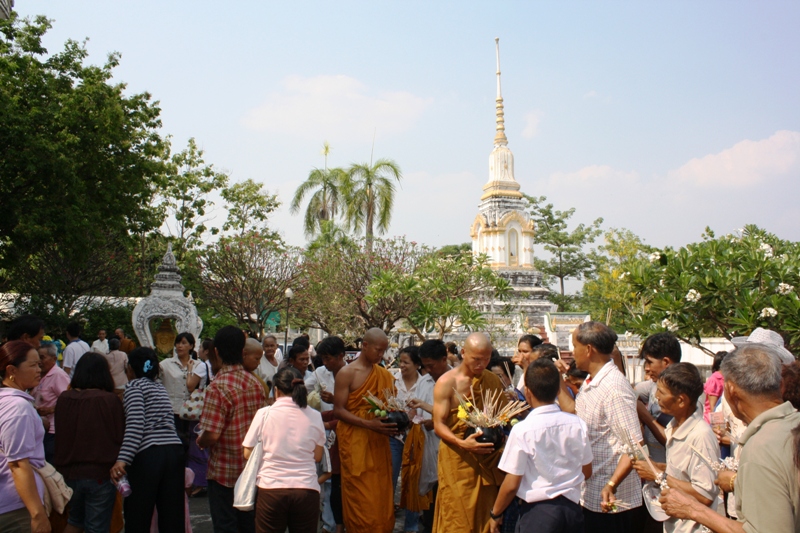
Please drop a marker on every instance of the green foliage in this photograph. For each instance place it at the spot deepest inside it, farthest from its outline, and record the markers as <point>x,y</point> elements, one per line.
<point>455,249</point>
<point>327,185</point>
<point>185,195</point>
<point>245,276</point>
<point>603,293</point>
<point>330,234</point>
<point>724,286</point>
<point>440,293</point>
<point>369,195</point>
<point>334,291</point>
<point>567,248</point>
<point>249,207</point>
<point>80,166</point>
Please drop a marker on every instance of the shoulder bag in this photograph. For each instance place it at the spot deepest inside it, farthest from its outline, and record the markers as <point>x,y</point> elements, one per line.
<point>192,407</point>
<point>244,492</point>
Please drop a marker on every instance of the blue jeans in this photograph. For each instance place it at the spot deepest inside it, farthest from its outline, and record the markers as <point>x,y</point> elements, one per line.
<point>412,518</point>
<point>92,504</point>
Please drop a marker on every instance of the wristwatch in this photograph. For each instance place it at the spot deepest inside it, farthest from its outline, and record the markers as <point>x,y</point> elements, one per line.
<point>495,516</point>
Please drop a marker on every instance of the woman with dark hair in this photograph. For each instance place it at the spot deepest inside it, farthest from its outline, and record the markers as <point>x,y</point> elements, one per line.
<point>117,362</point>
<point>21,442</point>
<point>151,454</point>
<point>524,356</point>
<point>175,371</point>
<point>410,384</point>
<point>292,440</point>
<point>713,386</point>
<point>91,425</point>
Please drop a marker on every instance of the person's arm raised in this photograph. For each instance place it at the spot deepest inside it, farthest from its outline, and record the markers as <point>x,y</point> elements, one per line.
<point>340,395</point>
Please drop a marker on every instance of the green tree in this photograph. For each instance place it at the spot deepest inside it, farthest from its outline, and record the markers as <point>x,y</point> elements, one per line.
<point>721,286</point>
<point>80,166</point>
<point>603,295</point>
<point>369,193</point>
<point>441,292</point>
<point>455,249</point>
<point>249,207</point>
<point>569,259</point>
<point>330,234</point>
<point>323,206</point>
<point>190,182</point>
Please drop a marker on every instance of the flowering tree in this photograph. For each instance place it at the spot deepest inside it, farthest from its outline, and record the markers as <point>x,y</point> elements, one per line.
<point>724,286</point>
<point>334,291</point>
<point>441,292</point>
<point>247,276</point>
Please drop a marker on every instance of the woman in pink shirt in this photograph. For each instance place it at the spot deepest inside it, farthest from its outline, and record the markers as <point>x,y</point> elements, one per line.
<point>713,386</point>
<point>292,438</point>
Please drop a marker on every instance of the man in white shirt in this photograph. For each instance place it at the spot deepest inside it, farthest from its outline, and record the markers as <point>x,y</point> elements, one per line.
<point>75,348</point>
<point>269,363</point>
<point>607,404</point>
<point>546,458</point>
<point>101,344</point>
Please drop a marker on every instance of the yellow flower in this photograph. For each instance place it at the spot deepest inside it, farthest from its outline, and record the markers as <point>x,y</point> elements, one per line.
<point>462,413</point>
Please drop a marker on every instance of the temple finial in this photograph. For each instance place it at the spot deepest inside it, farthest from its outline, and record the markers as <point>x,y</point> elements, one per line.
<point>500,135</point>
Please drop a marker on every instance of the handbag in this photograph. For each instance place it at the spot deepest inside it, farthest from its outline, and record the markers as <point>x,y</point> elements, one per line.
<point>244,492</point>
<point>192,407</point>
<point>56,492</point>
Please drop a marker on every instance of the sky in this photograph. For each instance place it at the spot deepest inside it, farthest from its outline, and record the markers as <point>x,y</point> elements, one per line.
<point>659,117</point>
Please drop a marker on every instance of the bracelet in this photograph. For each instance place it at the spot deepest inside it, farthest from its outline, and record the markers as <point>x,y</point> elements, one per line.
<point>611,484</point>
<point>494,516</point>
<point>730,484</point>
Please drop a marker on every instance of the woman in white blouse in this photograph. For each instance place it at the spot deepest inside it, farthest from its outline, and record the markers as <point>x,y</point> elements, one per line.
<point>292,438</point>
<point>410,384</point>
<point>174,372</point>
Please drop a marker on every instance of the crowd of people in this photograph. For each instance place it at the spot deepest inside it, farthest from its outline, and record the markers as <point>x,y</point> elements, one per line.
<point>134,436</point>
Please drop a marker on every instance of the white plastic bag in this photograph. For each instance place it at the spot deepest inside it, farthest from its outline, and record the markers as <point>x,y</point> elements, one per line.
<point>244,492</point>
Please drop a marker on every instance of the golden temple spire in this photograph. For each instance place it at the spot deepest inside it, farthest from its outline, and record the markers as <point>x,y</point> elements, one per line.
<point>500,136</point>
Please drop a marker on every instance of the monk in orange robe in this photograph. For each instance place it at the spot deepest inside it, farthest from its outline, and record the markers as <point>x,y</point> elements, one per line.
<point>468,475</point>
<point>366,458</point>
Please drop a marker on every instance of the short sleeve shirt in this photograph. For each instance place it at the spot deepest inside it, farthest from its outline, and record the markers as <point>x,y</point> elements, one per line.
<point>73,353</point>
<point>548,449</point>
<point>289,436</point>
<point>231,402</point>
<point>684,464</point>
<point>21,436</point>
<point>607,404</point>
<point>49,389</point>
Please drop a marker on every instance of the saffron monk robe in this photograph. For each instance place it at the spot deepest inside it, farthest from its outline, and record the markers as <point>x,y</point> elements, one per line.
<point>468,475</point>
<point>364,452</point>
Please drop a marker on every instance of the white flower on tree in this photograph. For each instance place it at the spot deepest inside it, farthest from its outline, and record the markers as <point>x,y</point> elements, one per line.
<point>766,248</point>
<point>655,256</point>
<point>785,288</point>
<point>669,325</point>
<point>692,296</point>
<point>769,312</point>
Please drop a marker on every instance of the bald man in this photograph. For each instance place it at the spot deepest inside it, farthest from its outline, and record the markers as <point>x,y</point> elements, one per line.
<point>366,459</point>
<point>251,359</point>
<point>468,473</point>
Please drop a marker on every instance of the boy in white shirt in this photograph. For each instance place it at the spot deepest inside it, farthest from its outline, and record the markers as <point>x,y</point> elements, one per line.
<point>546,458</point>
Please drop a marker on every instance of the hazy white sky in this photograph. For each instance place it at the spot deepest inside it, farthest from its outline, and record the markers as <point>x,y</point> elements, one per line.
<point>662,118</point>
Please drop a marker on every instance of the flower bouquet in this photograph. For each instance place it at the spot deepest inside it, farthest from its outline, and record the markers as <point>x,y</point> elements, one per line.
<point>496,413</point>
<point>729,463</point>
<point>392,410</point>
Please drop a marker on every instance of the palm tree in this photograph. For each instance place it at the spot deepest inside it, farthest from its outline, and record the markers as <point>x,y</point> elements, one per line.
<point>369,196</point>
<point>324,202</point>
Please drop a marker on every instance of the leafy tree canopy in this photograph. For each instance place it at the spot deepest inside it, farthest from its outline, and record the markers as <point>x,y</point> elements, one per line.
<point>721,286</point>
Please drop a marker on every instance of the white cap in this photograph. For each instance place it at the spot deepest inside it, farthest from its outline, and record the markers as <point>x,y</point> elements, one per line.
<point>770,338</point>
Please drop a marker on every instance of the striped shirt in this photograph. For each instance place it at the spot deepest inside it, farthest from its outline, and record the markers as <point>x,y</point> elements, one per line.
<point>148,418</point>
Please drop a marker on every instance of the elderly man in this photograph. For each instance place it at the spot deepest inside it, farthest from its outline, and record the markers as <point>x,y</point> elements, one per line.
<point>54,381</point>
<point>469,477</point>
<point>607,404</point>
<point>101,344</point>
<point>766,485</point>
<point>364,451</point>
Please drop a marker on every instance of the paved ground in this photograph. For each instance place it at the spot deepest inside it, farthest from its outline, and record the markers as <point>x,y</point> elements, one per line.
<point>201,519</point>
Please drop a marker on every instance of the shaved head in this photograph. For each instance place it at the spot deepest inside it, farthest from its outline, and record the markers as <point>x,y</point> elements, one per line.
<point>476,353</point>
<point>374,345</point>
<point>375,335</point>
<point>252,346</point>
<point>478,341</point>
